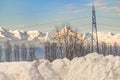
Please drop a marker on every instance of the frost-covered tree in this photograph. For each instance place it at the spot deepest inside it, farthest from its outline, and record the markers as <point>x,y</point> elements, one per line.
<point>23,52</point>
<point>87,49</point>
<point>16,52</point>
<point>50,51</point>
<point>65,43</point>
<point>31,53</point>
<point>104,48</point>
<point>111,50</point>
<point>115,49</point>
<point>53,51</point>
<point>8,50</point>
<point>119,50</point>
<point>0,53</point>
<point>47,46</point>
<point>69,41</point>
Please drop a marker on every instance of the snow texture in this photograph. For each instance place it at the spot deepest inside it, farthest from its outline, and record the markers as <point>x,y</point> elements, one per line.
<point>90,67</point>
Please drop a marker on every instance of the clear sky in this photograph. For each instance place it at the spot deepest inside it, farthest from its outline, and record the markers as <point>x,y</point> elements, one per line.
<point>45,15</point>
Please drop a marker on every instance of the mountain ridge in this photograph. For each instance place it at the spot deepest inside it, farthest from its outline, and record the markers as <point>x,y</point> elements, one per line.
<point>36,35</point>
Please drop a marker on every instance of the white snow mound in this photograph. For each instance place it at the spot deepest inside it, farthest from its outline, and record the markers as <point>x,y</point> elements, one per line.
<point>91,67</point>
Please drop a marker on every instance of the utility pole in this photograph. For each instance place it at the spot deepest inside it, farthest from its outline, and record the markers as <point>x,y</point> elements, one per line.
<point>94,30</point>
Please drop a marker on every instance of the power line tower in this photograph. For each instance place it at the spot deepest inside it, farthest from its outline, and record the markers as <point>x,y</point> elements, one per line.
<point>94,31</point>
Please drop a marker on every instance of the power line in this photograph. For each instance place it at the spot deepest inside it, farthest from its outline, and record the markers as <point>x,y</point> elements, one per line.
<point>108,17</point>
<point>72,19</point>
<point>109,25</point>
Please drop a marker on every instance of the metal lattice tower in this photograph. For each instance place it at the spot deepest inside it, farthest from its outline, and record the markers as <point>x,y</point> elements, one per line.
<point>94,31</point>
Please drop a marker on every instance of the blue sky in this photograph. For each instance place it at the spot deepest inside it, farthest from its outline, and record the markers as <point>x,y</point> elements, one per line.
<point>45,15</point>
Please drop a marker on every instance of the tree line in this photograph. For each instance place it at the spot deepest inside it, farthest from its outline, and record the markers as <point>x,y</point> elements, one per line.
<point>70,45</point>
<point>17,53</point>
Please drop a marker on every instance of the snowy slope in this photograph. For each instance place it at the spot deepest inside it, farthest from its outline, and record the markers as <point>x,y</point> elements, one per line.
<point>91,67</point>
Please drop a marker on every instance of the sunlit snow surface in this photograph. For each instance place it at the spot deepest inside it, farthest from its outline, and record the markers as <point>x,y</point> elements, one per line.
<point>91,67</point>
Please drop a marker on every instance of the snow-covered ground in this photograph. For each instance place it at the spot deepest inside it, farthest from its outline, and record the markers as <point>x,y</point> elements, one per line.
<point>90,67</point>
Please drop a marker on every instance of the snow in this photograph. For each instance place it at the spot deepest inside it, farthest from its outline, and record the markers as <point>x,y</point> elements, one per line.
<point>16,35</point>
<point>36,35</point>
<point>106,37</point>
<point>33,34</point>
<point>90,67</point>
<point>37,38</point>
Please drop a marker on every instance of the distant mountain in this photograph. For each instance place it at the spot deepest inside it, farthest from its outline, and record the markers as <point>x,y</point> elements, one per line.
<point>34,36</point>
<point>107,37</point>
<point>16,35</point>
<point>66,31</point>
<point>38,39</point>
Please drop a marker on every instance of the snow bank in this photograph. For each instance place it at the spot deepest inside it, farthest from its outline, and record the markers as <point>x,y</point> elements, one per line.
<point>91,67</point>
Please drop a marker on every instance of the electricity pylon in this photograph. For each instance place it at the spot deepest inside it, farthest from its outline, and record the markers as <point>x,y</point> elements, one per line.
<point>94,30</point>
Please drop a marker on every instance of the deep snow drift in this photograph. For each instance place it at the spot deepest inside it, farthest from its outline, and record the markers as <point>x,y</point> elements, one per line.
<point>91,67</point>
